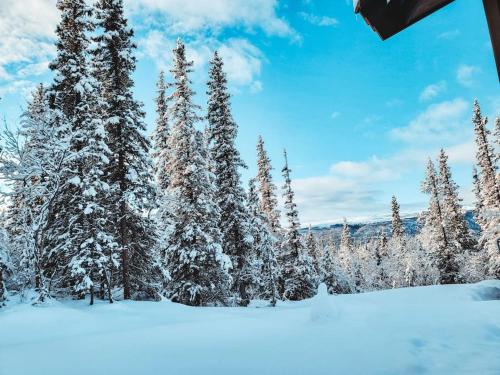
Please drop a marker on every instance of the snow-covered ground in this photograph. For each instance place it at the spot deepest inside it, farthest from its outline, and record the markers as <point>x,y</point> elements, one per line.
<point>428,330</point>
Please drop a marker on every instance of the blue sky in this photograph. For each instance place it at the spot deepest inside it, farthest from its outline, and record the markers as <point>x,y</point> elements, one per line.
<point>358,116</point>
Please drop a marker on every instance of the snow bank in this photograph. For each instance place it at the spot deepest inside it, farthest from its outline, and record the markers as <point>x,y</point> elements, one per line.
<point>430,330</point>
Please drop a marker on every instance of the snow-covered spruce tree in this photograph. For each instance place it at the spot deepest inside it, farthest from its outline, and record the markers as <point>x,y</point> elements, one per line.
<point>397,224</point>
<point>70,64</point>
<point>68,97</point>
<point>488,187</point>
<point>263,248</point>
<point>485,159</point>
<point>368,268</point>
<point>92,233</point>
<point>298,279</point>
<point>128,172</point>
<point>6,267</point>
<point>331,273</point>
<point>434,235</point>
<point>161,135</point>
<point>267,189</point>
<point>229,193</point>
<point>312,249</point>
<point>197,265</point>
<point>347,258</point>
<point>452,210</point>
<point>383,260</point>
<point>33,165</point>
<point>497,142</point>
<point>478,208</point>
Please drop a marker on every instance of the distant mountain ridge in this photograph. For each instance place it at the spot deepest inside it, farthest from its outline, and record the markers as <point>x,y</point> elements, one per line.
<point>363,232</point>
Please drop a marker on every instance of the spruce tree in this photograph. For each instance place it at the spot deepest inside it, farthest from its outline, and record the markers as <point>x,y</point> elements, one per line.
<point>161,135</point>
<point>332,274</point>
<point>128,171</point>
<point>69,97</point>
<point>488,190</point>
<point>92,233</point>
<point>485,160</point>
<point>229,193</point>
<point>434,232</point>
<point>5,265</point>
<point>312,249</point>
<point>197,265</point>
<point>298,280</point>
<point>452,210</point>
<point>267,189</point>
<point>478,209</point>
<point>497,141</point>
<point>263,248</point>
<point>397,224</point>
<point>346,258</point>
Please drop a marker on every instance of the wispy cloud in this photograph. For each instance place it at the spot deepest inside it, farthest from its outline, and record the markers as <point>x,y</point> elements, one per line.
<point>432,91</point>
<point>441,122</point>
<point>335,115</point>
<point>466,74</point>
<point>319,20</point>
<point>190,16</point>
<point>242,60</point>
<point>26,34</point>
<point>450,34</point>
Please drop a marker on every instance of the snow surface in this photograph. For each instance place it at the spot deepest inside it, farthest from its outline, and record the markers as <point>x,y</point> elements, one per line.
<point>428,330</point>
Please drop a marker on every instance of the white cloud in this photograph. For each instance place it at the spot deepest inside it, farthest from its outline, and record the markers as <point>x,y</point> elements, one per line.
<point>327,199</point>
<point>319,20</point>
<point>360,189</point>
<point>335,115</point>
<point>35,69</point>
<point>26,31</point>
<point>442,122</point>
<point>189,16</point>
<point>432,91</point>
<point>466,74</point>
<point>24,87</point>
<point>394,102</point>
<point>450,34</point>
<point>242,60</point>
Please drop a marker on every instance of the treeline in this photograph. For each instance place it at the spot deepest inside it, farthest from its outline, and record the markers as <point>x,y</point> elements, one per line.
<point>444,251</point>
<point>96,210</point>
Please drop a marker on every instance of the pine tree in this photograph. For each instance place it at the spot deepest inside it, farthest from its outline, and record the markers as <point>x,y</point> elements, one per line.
<point>487,189</point>
<point>478,210</point>
<point>229,193</point>
<point>197,265</point>
<point>298,281</point>
<point>92,231</point>
<point>434,233</point>
<point>452,211</point>
<point>267,189</point>
<point>346,257</point>
<point>397,224</point>
<point>161,136</point>
<point>332,274</point>
<point>312,249</point>
<point>128,172</point>
<point>70,65</point>
<point>485,160</point>
<point>69,97</point>
<point>497,141</point>
<point>5,265</point>
<point>263,248</point>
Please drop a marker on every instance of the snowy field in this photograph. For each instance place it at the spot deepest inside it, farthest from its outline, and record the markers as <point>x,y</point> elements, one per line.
<point>428,330</point>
